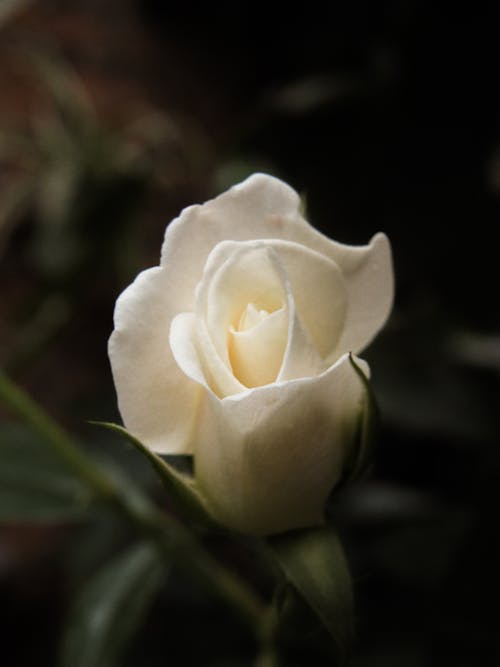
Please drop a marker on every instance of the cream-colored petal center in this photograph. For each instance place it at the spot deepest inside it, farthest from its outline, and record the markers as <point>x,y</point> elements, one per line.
<point>251,316</point>
<point>256,349</point>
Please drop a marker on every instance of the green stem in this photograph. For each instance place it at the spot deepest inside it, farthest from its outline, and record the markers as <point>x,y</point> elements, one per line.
<point>168,533</point>
<point>177,541</point>
<point>22,405</point>
<point>268,655</point>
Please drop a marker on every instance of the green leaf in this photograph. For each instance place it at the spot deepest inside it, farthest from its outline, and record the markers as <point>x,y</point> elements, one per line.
<point>34,484</point>
<point>181,488</point>
<point>314,563</point>
<point>110,609</point>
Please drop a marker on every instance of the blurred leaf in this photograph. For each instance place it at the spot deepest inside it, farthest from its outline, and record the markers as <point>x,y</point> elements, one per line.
<point>110,608</point>
<point>311,93</point>
<point>385,503</point>
<point>477,350</point>
<point>8,8</point>
<point>66,89</point>
<point>56,192</point>
<point>313,561</point>
<point>42,327</point>
<point>431,392</point>
<point>181,489</point>
<point>17,146</point>
<point>13,205</point>
<point>300,636</point>
<point>34,483</point>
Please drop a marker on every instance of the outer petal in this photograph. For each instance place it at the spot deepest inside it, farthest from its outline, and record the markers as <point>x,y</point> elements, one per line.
<point>156,399</point>
<point>263,207</point>
<point>266,460</point>
<point>254,209</point>
<point>370,288</point>
<point>319,293</point>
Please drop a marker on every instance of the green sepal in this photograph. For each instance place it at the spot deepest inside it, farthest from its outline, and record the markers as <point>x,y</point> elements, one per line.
<point>313,562</point>
<point>366,432</point>
<point>182,490</point>
<point>303,205</point>
<point>110,608</point>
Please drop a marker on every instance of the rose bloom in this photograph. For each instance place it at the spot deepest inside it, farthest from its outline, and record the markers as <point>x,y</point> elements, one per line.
<point>236,350</point>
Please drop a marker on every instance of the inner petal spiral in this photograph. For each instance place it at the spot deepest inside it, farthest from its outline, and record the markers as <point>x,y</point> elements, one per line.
<point>257,323</point>
<point>251,316</point>
<point>256,347</point>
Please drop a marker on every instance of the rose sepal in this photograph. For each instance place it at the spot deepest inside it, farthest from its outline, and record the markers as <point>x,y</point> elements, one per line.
<point>359,460</point>
<point>313,563</point>
<point>181,488</point>
<point>312,560</point>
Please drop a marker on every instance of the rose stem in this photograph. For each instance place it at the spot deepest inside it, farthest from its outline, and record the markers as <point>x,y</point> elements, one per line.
<point>170,536</point>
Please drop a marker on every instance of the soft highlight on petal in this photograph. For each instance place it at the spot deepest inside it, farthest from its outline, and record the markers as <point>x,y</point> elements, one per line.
<point>370,292</point>
<point>183,344</point>
<point>266,460</point>
<point>253,209</point>
<point>266,275</point>
<point>256,353</point>
<point>263,207</point>
<point>156,399</point>
<point>319,293</point>
<point>237,274</point>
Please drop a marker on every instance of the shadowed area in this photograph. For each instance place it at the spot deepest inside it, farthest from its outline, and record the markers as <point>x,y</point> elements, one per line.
<point>114,116</point>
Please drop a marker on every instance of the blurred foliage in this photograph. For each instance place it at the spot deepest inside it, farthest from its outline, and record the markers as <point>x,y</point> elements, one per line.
<point>9,7</point>
<point>34,484</point>
<point>108,611</point>
<point>57,481</point>
<point>81,181</point>
<point>76,193</point>
<point>385,117</point>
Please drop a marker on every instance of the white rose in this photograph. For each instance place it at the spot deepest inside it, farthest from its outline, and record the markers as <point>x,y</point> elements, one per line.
<point>236,350</point>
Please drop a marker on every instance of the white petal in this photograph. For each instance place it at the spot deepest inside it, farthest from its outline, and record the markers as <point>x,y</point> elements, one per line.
<point>183,343</point>
<point>253,209</point>
<point>319,293</point>
<point>301,358</point>
<point>267,459</point>
<point>235,276</point>
<point>251,317</point>
<point>370,291</point>
<point>256,354</point>
<point>218,374</point>
<point>263,207</point>
<point>267,274</point>
<point>157,401</point>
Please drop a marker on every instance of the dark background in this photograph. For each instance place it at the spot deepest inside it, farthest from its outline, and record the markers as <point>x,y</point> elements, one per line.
<point>385,115</point>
